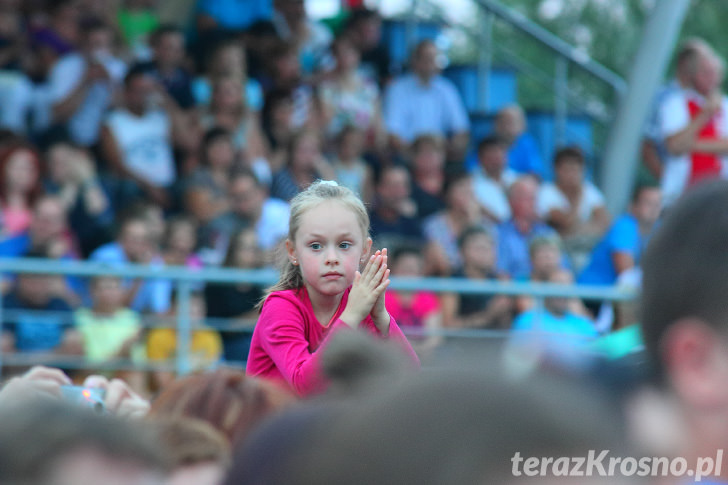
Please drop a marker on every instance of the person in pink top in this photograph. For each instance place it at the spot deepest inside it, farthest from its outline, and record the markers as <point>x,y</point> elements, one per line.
<point>322,290</point>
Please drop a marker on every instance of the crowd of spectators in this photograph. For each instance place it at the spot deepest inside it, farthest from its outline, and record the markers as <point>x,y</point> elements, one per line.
<point>126,140</point>
<point>129,140</point>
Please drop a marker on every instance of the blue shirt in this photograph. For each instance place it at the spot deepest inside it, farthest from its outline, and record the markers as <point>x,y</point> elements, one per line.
<point>524,156</point>
<point>624,236</point>
<point>35,331</point>
<point>154,295</point>
<point>19,245</point>
<point>563,339</point>
<point>412,108</point>
<point>236,14</point>
<point>547,322</point>
<point>15,246</point>
<point>513,248</point>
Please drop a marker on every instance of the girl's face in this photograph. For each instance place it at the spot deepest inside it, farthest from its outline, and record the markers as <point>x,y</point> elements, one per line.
<point>21,171</point>
<point>329,247</point>
<point>479,251</point>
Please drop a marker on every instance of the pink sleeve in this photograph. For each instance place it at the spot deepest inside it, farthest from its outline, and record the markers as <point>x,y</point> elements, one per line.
<point>395,335</point>
<point>283,338</point>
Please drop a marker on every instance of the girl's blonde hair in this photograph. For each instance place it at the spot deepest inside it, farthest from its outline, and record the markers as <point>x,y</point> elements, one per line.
<point>316,193</point>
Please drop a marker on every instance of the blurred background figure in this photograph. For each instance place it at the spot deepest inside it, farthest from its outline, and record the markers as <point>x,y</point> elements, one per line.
<point>414,310</point>
<point>522,150</point>
<point>425,102</point>
<point>237,301</point>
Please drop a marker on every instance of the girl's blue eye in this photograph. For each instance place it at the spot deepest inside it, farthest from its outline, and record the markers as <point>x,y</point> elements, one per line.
<point>345,245</point>
<point>315,246</point>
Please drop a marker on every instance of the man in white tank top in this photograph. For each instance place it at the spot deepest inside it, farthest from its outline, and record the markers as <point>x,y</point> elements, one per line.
<point>136,138</point>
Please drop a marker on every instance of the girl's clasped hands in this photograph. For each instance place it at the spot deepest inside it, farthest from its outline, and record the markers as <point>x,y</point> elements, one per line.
<point>367,293</point>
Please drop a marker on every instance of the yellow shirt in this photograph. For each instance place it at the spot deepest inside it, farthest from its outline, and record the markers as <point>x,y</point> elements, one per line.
<point>205,347</point>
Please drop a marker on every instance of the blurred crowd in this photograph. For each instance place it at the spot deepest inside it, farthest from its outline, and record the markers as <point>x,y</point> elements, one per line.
<point>127,139</point>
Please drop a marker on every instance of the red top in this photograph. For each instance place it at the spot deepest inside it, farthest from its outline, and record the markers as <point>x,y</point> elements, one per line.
<point>423,305</point>
<point>704,165</point>
<point>287,339</point>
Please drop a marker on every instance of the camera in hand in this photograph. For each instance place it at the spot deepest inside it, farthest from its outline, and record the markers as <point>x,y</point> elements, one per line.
<point>89,397</point>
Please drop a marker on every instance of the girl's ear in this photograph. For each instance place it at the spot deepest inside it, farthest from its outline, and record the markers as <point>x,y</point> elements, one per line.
<point>291,250</point>
<point>367,248</point>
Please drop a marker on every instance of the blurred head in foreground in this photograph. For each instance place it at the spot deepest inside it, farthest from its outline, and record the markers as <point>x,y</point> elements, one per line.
<point>685,316</point>
<point>55,443</point>
<point>230,401</point>
<point>452,424</point>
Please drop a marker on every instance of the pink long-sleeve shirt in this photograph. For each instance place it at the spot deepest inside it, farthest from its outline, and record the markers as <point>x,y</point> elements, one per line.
<point>288,338</point>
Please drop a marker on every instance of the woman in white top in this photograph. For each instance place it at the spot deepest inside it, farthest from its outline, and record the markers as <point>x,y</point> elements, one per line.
<point>572,205</point>
<point>348,98</point>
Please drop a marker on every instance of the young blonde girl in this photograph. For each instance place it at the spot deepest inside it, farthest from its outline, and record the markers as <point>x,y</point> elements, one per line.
<point>321,290</point>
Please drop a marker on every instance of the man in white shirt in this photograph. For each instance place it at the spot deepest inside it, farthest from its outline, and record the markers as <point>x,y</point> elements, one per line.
<point>81,84</point>
<point>492,178</point>
<point>694,124</point>
<point>423,102</point>
<point>136,139</point>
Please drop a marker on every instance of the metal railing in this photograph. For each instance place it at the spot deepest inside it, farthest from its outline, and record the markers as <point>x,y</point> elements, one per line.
<point>566,57</point>
<point>185,280</point>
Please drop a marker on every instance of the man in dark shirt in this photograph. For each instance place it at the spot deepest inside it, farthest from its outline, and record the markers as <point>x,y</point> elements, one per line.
<point>166,66</point>
<point>38,321</point>
<point>393,217</point>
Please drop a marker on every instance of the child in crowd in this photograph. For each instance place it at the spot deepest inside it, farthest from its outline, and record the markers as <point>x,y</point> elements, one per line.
<point>478,252</point>
<point>321,291</point>
<point>414,309</point>
<point>20,185</point>
<point>546,258</point>
<point>205,343</point>
<point>108,328</point>
<point>180,242</point>
<point>349,167</point>
<point>554,332</point>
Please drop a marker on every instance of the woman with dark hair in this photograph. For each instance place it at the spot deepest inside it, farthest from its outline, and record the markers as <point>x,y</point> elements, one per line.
<point>20,186</point>
<point>226,301</point>
<point>304,166</point>
<point>204,191</point>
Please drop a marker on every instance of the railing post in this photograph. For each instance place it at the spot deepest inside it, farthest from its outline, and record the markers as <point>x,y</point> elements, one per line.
<point>2,324</point>
<point>184,327</point>
<point>561,89</point>
<point>485,59</point>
